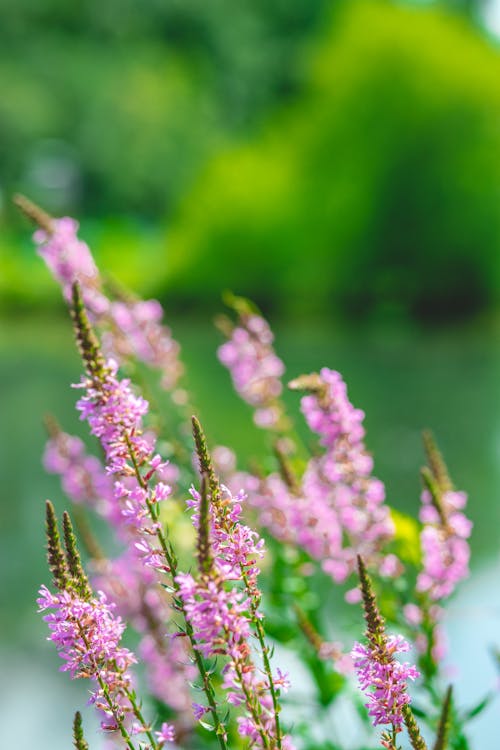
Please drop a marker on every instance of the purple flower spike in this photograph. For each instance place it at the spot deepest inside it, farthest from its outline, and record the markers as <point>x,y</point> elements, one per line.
<point>87,635</point>
<point>337,509</point>
<point>445,550</point>
<point>383,679</point>
<point>166,734</point>
<point>255,368</point>
<point>133,327</point>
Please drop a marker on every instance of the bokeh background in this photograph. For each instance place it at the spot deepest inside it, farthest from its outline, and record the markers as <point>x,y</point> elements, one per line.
<point>338,161</point>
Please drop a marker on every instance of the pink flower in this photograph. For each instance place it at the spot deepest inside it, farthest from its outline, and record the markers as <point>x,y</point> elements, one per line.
<point>221,608</point>
<point>166,733</point>
<point>383,679</point>
<point>133,327</point>
<point>255,368</point>
<point>87,636</point>
<point>445,549</point>
<point>338,509</point>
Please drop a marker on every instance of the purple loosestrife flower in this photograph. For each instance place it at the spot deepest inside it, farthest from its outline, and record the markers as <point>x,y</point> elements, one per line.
<point>445,550</point>
<point>341,480</point>
<point>114,414</point>
<point>337,509</point>
<point>255,368</point>
<point>69,260</point>
<point>445,553</point>
<point>384,680</point>
<point>446,528</point>
<point>222,609</point>
<point>132,328</point>
<point>125,580</point>
<point>381,677</point>
<point>166,734</point>
<point>83,478</point>
<point>87,635</point>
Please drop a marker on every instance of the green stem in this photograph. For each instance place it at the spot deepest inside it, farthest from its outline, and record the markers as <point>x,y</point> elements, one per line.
<point>138,715</point>
<point>259,628</point>
<point>172,565</point>
<point>250,705</point>
<point>207,682</point>
<point>105,692</point>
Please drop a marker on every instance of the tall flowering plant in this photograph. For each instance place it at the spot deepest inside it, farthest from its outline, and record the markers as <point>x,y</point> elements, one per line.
<point>224,605</point>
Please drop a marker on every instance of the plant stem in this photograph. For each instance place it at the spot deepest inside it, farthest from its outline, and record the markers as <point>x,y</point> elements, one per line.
<point>105,692</point>
<point>259,628</point>
<point>172,566</point>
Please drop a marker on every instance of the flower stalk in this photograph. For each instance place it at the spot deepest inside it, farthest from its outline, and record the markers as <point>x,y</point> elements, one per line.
<point>382,678</point>
<point>78,737</point>
<point>115,416</point>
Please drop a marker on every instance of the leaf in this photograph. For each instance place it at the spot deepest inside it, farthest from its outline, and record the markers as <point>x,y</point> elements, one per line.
<point>206,725</point>
<point>478,708</point>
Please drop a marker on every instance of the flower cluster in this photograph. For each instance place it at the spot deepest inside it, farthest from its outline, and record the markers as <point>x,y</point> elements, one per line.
<point>83,477</point>
<point>147,607</point>
<point>221,608</point>
<point>114,414</point>
<point>69,259</point>
<point>255,368</point>
<point>204,629</point>
<point>383,679</point>
<point>87,635</point>
<point>341,483</point>
<point>337,509</point>
<point>133,328</point>
<point>445,549</point>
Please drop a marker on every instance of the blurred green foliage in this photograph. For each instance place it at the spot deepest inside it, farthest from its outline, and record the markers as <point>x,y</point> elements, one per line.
<point>377,188</point>
<point>111,106</point>
<point>316,156</point>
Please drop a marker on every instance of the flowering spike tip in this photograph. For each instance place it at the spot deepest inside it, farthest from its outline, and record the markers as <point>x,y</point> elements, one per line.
<point>205,461</point>
<point>203,542</point>
<point>78,578</point>
<point>374,620</point>
<point>78,738</point>
<point>34,212</point>
<point>436,462</point>
<point>432,486</point>
<point>416,740</point>
<point>55,554</point>
<point>87,341</point>
<point>444,722</point>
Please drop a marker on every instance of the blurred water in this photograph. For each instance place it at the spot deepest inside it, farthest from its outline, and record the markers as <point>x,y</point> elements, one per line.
<point>404,379</point>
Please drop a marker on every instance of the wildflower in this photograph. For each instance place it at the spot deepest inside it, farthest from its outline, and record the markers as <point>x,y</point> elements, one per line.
<point>445,550</point>
<point>166,733</point>
<point>381,677</point>
<point>85,630</point>
<point>255,368</point>
<point>337,509</point>
<point>114,414</point>
<point>221,605</point>
<point>133,327</point>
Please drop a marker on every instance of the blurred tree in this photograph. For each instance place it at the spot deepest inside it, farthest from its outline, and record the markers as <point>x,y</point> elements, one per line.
<point>377,189</point>
<point>112,106</point>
